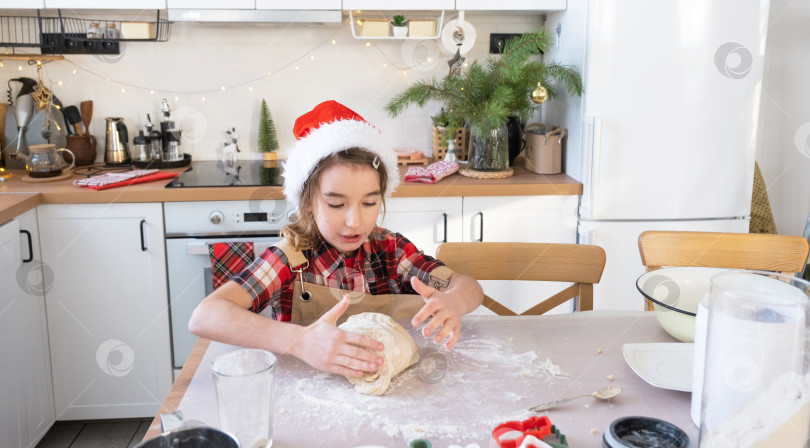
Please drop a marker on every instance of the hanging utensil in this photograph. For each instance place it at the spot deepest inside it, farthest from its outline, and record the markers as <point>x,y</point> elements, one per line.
<point>23,112</point>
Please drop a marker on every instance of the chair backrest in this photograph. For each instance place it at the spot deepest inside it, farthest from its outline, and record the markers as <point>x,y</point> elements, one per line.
<point>578,263</point>
<point>763,252</point>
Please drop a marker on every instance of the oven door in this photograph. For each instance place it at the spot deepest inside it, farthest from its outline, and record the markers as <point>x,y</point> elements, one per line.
<point>190,281</point>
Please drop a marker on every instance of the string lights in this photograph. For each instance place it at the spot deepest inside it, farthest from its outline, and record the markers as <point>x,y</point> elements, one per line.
<point>248,84</point>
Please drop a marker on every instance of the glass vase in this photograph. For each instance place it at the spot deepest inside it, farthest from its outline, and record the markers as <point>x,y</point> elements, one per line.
<point>489,149</point>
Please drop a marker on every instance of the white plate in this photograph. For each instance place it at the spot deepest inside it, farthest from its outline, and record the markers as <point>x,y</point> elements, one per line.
<point>664,365</point>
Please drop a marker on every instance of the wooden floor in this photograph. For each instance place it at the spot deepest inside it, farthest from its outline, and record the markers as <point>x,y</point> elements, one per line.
<point>96,434</point>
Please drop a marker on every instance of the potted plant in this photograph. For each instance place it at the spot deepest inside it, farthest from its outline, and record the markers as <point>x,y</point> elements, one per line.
<point>268,142</point>
<point>484,95</point>
<point>399,26</point>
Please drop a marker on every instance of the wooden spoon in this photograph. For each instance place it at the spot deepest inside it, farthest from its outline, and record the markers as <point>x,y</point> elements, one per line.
<point>86,108</point>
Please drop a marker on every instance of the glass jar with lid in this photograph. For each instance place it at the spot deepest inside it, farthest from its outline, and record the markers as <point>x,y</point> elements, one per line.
<point>111,32</point>
<point>93,31</point>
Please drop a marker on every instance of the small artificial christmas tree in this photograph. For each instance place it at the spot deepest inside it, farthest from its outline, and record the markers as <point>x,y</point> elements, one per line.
<point>268,142</point>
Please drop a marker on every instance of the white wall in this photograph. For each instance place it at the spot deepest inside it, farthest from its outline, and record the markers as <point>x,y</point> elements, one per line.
<point>306,68</point>
<point>784,152</point>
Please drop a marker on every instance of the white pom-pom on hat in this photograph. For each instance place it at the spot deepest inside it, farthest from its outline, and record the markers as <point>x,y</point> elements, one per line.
<point>328,129</point>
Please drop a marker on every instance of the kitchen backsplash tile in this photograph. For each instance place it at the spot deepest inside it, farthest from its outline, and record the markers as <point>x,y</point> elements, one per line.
<point>200,58</point>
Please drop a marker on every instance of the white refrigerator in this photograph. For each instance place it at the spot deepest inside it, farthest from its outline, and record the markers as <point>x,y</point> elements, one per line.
<point>665,134</point>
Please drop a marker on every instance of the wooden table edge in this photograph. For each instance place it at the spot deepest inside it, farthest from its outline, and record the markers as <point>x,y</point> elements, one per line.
<point>179,387</point>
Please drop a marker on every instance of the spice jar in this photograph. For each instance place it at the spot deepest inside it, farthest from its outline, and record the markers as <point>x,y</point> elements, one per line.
<point>93,31</point>
<point>111,32</point>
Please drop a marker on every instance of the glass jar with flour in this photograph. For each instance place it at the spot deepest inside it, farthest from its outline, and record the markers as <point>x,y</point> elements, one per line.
<point>756,382</point>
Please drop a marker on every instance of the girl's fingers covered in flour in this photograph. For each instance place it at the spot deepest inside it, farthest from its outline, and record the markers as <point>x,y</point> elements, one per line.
<point>444,319</point>
<point>328,348</point>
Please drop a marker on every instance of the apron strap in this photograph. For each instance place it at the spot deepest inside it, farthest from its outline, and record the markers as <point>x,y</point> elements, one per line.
<point>294,257</point>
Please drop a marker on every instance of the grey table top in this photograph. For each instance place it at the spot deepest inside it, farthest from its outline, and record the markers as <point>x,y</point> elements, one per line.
<point>499,368</point>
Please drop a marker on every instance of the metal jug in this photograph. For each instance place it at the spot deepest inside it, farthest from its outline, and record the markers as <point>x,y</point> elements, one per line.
<point>117,150</point>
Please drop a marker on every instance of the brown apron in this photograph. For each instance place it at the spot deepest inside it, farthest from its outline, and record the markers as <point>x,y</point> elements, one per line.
<point>322,298</point>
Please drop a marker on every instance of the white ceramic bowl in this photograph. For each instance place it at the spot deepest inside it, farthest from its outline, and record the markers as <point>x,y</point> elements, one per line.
<point>676,293</point>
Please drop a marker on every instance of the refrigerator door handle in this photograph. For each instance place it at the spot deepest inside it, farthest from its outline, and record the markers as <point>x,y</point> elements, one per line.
<point>590,170</point>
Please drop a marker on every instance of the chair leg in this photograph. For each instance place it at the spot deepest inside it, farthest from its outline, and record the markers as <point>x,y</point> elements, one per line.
<point>585,297</point>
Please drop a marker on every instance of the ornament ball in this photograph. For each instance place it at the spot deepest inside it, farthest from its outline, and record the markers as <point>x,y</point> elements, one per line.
<point>540,94</point>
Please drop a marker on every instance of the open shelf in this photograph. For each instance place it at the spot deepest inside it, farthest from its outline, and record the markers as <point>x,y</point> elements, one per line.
<point>31,57</point>
<point>355,22</point>
<point>57,35</point>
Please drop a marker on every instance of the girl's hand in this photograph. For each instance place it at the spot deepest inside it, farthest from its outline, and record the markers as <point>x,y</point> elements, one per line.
<point>326,347</point>
<point>444,314</point>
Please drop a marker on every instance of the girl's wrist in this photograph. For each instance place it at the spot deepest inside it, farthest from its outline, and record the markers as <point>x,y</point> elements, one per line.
<point>295,335</point>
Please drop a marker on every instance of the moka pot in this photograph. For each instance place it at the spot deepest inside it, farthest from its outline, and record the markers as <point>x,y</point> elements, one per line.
<point>117,149</point>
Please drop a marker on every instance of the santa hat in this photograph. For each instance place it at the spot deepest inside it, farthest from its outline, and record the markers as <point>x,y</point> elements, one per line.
<point>328,129</point>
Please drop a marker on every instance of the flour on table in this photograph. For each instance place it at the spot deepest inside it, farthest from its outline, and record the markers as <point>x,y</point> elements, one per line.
<point>437,398</point>
<point>777,418</point>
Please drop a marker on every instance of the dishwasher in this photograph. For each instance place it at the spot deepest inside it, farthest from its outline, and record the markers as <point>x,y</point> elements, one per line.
<point>190,228</point>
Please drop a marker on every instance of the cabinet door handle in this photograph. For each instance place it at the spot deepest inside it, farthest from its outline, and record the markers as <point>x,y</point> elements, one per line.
<point>30,247</point>
<point>481,227</point>
<point>444,217</point>
<point>143,240</point>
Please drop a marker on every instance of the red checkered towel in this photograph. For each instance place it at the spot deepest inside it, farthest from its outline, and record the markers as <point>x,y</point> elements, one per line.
<point>229,259</point>
<point>432,173</point>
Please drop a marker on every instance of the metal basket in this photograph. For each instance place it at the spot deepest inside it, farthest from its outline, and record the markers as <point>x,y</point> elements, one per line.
<point>49,32</point>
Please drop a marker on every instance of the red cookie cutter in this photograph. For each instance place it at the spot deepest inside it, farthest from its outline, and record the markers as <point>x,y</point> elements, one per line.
<point>538,427</point>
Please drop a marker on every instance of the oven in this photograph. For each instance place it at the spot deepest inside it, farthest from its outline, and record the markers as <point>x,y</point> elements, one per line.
<point>190,227</point>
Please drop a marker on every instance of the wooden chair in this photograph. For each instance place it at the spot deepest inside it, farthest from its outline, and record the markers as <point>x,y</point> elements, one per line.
<point>763,252</point>
<point>578,263</point>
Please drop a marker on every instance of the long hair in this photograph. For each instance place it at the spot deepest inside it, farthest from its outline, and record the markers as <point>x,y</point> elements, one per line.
<point>303,233</point>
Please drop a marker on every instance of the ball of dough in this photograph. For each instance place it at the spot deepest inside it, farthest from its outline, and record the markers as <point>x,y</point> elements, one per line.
<point>400,350</point>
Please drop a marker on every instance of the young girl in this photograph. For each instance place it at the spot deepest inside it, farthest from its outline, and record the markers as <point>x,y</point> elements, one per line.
<point>335,261</point>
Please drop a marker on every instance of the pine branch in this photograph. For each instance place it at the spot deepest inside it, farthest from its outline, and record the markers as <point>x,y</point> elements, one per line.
<point>486,94</point>
<point>566,75</point>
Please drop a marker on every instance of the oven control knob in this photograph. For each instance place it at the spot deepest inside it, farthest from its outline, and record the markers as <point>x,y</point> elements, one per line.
<point>216,217</point>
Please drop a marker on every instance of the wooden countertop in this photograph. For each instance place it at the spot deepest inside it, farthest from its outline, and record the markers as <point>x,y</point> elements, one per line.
<point>12,205</point>
<point>522,183</point>
<point>172,400</point>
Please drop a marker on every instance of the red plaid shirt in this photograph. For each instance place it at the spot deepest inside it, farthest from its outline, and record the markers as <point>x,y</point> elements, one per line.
<point>382,265</point>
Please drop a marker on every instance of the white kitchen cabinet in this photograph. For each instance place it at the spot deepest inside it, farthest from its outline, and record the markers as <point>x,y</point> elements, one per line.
<point>304,5</point>
<point>426,222</point>
<point>106,4</point>
<point>212,4</point>
<point>23,4</point>
<point>511,5</point>
<point>13,421</point>
<point>528,219</point>
<point>388,5</point>
<point>25,373</point>
<point>107,309</point>
<point>33,279</point>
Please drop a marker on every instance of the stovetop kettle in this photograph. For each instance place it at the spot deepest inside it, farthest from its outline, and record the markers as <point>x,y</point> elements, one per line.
<point>117,149</point>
